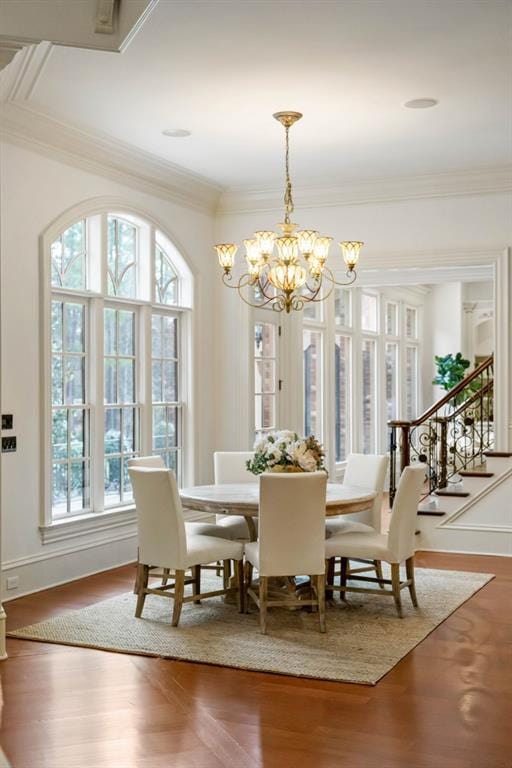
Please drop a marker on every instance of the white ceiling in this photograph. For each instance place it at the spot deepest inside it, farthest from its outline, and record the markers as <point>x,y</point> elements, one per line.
<point>220,68</point>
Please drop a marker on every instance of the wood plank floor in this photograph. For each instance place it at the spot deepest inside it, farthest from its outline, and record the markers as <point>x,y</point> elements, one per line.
<point>446,705</point>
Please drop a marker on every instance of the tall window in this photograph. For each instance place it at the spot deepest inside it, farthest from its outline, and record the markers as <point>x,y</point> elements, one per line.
<point>411,363</point>
<point>265,377</point>
<point>312,351</point>
<point>342,372</point>
<point>115,371</point>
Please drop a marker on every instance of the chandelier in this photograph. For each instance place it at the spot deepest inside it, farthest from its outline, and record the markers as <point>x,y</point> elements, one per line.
<point>298,273</point>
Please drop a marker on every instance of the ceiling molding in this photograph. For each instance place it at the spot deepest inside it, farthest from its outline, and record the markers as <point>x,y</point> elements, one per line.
<point>417,261</point>
<point>469,182</point>
<point>408,276</point>
<point>106,156</point>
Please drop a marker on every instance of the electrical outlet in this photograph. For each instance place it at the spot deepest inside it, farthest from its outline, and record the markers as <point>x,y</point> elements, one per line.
<point>13,582</point>
<point>8,444</point>
<point>7,421</point>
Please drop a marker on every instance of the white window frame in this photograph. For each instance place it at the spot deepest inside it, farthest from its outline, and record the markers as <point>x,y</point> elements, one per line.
<point>149,233</point>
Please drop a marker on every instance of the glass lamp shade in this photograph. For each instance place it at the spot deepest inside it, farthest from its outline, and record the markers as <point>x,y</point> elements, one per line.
<point>350,252</point>
<point>321,248</point>
<point>287,277</point>
<point>288,247</point>
<point>253,269</point>
<point>265,240</point>
<point>307,239</point>
<point>316,267</point>
<point>226,255</point>
<point>252,250</point>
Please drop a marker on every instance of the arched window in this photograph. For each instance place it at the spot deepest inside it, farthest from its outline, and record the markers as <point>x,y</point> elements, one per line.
<point>119,295</point>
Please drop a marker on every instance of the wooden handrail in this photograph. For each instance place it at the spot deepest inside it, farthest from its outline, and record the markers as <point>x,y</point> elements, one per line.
<point>449,396</point>
<point>473,399</point>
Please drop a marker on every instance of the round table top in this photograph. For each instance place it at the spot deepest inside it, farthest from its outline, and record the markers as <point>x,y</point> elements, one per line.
<point>243,498</point>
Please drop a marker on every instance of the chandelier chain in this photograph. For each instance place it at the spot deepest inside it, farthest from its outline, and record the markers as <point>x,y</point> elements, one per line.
<point>288,199</point>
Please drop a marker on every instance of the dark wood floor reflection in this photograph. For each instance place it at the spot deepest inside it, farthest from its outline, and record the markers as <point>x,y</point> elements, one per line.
<point>446,705</point>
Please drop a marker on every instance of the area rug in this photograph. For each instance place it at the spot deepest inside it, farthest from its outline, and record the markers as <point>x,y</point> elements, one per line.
<point>364,640</point>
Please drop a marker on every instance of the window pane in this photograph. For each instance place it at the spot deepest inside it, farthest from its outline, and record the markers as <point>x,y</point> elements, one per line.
<point>112,482</point>
<point>110,332</point>
<point>126,372</point>
<point>172,427</point>
<point>391,319</point>
<point>264,339</point>
<point>77,424</point>
<point>264,375</point>
<point>342,395</point>
<point>60,433</point>
<point>170,381</point>
<point>74,324</point>
<point>121,257</point>
<point>312,341</point>
<point>110,380</point>
<point>166,281</point>
<point>156,335</point>
<point>68,257</point>
<point>410,323</point>
<point>264,412</point>
<point>59,489</point>
<point>342,307</point>
<point>169,337</point>
<point>57,381</point>
<point>368,404</point>
<point>126,333</point>
<point>369,312</point>
<point>157,381</point>
<point>112,430</point>
<point>79,490</point>
<point>391,380</point>
<point>128,416</point>
<point>411,383</point>
<point>56,322</point>
<point>74,379</point>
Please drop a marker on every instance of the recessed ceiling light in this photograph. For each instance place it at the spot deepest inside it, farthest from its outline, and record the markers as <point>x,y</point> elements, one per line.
<point>421,103</point>
<point>176,133</point>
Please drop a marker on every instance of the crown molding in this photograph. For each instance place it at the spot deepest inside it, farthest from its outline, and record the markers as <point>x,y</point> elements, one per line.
<point>322,195</point>
<point>106,156</point>
<point>411,276</point>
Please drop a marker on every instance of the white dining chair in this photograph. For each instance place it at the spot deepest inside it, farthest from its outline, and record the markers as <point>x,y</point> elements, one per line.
<point>291,538</point>
<point>364,471</point>
<point>394,548</point>
<point>165,543</point>
<point>231,467</point>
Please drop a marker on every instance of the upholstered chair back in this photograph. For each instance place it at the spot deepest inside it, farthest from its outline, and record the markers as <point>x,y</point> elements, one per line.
<point>367,471</point>
<point>147,461</point>
<point>292,523</point>
<point>230,467</point>
<point>405,509</point>
<point>161,529</point>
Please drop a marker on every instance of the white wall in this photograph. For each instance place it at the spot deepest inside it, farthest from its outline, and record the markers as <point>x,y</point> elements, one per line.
<point>36,190</point>
<point>443,311</point>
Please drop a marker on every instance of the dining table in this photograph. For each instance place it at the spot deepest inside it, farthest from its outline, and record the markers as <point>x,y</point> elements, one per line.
<point>243,499</point>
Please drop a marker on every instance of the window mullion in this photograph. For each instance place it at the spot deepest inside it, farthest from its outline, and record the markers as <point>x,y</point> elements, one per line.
<point>96,380</point>
<point>144,378</point>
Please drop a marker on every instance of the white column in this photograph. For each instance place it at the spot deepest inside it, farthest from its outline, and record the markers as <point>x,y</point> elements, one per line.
<point>503,351</point>
<point>468,344</point>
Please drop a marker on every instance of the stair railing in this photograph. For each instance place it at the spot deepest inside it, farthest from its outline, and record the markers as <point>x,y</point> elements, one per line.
<point>453,434</point>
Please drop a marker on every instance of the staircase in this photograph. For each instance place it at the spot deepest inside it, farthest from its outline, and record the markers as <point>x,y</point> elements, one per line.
<point>467,504</point>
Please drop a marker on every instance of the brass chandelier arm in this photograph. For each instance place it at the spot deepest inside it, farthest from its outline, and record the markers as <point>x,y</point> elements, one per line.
<point>288,199</point>
<point>351,274</point>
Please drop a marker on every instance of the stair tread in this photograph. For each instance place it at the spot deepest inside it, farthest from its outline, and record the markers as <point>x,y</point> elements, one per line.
<point>469,473</point>
<point>498,454</point>
<point>462,494</point>
<point>431,512</point>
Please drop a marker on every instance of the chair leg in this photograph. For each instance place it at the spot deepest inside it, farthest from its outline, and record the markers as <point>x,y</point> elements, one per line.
<point>226,573</point>
<point>179,587</point>
<point>395,583</point>
<point>247,583</point>
<point>409,569</point>
<point>329,570</point>
<point>320,590</point>
<point>263,604</point>
<point>378,571</point>
<point>165,577</point>
<point>196,586</point>
<point>241,585</point>
<point>136,585</point>
<point>142,583</point>
<point>343,577</point>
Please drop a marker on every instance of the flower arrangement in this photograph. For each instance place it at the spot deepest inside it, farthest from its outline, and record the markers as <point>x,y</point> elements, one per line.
<point>285,451</point>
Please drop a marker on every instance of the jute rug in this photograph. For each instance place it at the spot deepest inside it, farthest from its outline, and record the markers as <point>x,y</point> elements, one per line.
<point>363,642</point>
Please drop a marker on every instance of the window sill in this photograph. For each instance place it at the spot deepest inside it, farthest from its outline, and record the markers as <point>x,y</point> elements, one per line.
<point>83,525</point>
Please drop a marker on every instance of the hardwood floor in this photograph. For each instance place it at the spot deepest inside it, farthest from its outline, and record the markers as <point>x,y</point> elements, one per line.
<point>448,704</point>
